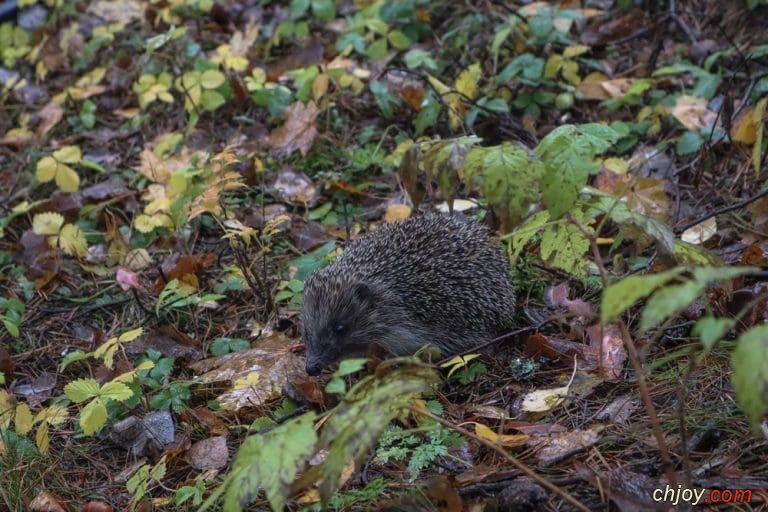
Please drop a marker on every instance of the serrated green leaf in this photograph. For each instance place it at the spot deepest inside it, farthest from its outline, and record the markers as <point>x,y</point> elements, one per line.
<point>523,234</point>
<point>116,391</point>
<point>269,462</point>
<point>668,302</point>
<point>93,417</point>
<point>620,296</point>
<point>750,373</point>
<point>563,246</point>
<point>81,390</point>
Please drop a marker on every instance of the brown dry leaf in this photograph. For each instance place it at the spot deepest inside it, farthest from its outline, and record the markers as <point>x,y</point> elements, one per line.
<point>618,87</point>
<point>591,87</point>
<point>557,296</point>
<point>208,419</point>
<point>558,447</point>
<point>441,491</point>
<point>620,410</point>
<point>49,117</point>
<point>413,96</point>
<point>701,232</point>
<point>631,492</point>
<point>296,188</point>
<point>602,32</point>
<point>6,363</point>
<point>298,132</point>
<point>185,269</point>
<point>124,11</point>
<point>211,453</point>
<point>45,502</point>
<point>40,260</point>
<point>647,196</point>
<point>606,350</point>
<point>692,112</point>
<point>272,361</point>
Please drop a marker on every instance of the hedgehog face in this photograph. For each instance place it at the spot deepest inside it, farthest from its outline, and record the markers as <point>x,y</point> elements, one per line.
<point>337,318</point>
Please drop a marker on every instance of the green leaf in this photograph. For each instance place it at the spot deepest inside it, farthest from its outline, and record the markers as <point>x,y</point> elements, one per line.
<point>620,296</point>
<point>569,152</point>
<point>750,373</point>
<point>563,246</point>
<point>268,462</point>
<point>399,40</point>
<point>668,302</point>
<point>689,143</point>
<point>377,49</point>
<point>324,9</point>
<point>116,391</point>
<point>93,417</point>
<point>212,78</point>
<point>81,390</point>
<point>711,330</point>
<point>211,100</point>
<point>77,355</point>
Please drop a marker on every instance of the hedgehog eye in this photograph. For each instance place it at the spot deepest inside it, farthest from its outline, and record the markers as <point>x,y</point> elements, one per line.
<point>339,329</point>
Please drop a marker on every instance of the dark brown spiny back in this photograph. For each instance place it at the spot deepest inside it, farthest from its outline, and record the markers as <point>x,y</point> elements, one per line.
<point>426,280</point>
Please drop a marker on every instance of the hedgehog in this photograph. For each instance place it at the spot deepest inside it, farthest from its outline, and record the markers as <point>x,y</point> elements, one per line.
<point>428,280</point>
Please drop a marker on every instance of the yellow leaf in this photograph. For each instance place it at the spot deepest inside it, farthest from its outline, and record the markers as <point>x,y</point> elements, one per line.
<point>486,433</point>
<point>46,169</point>
<point>320,86</point>
<point>5,405</point>
<point>552,66</point>
<point>212,79</point>
<point>93,417</point>
<point>72,241</point>
<point>575,50</point>
<point>757,149</point>
<point>42,440</point>
<point>144,223</point>
<point>68,154</point>
<point>23,419</point>
<point>745,129</point>
<point>130,335</point>
<point>48,223</point>
<point>250,380</point>
<point>67,179</point>
<point>466,84</point>
<point>236,63</point>
<point>53,415</point>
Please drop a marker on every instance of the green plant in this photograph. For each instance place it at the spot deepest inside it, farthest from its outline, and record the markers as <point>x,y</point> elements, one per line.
<point>271,462</point>
<point>167,394</point>
<point>11,313</point>
<point>146,475</point>
<point>669,293</point>
<point>420,447</point>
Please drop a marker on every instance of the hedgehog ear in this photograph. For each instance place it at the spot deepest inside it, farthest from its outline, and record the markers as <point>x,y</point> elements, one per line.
<point>364,293</point>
